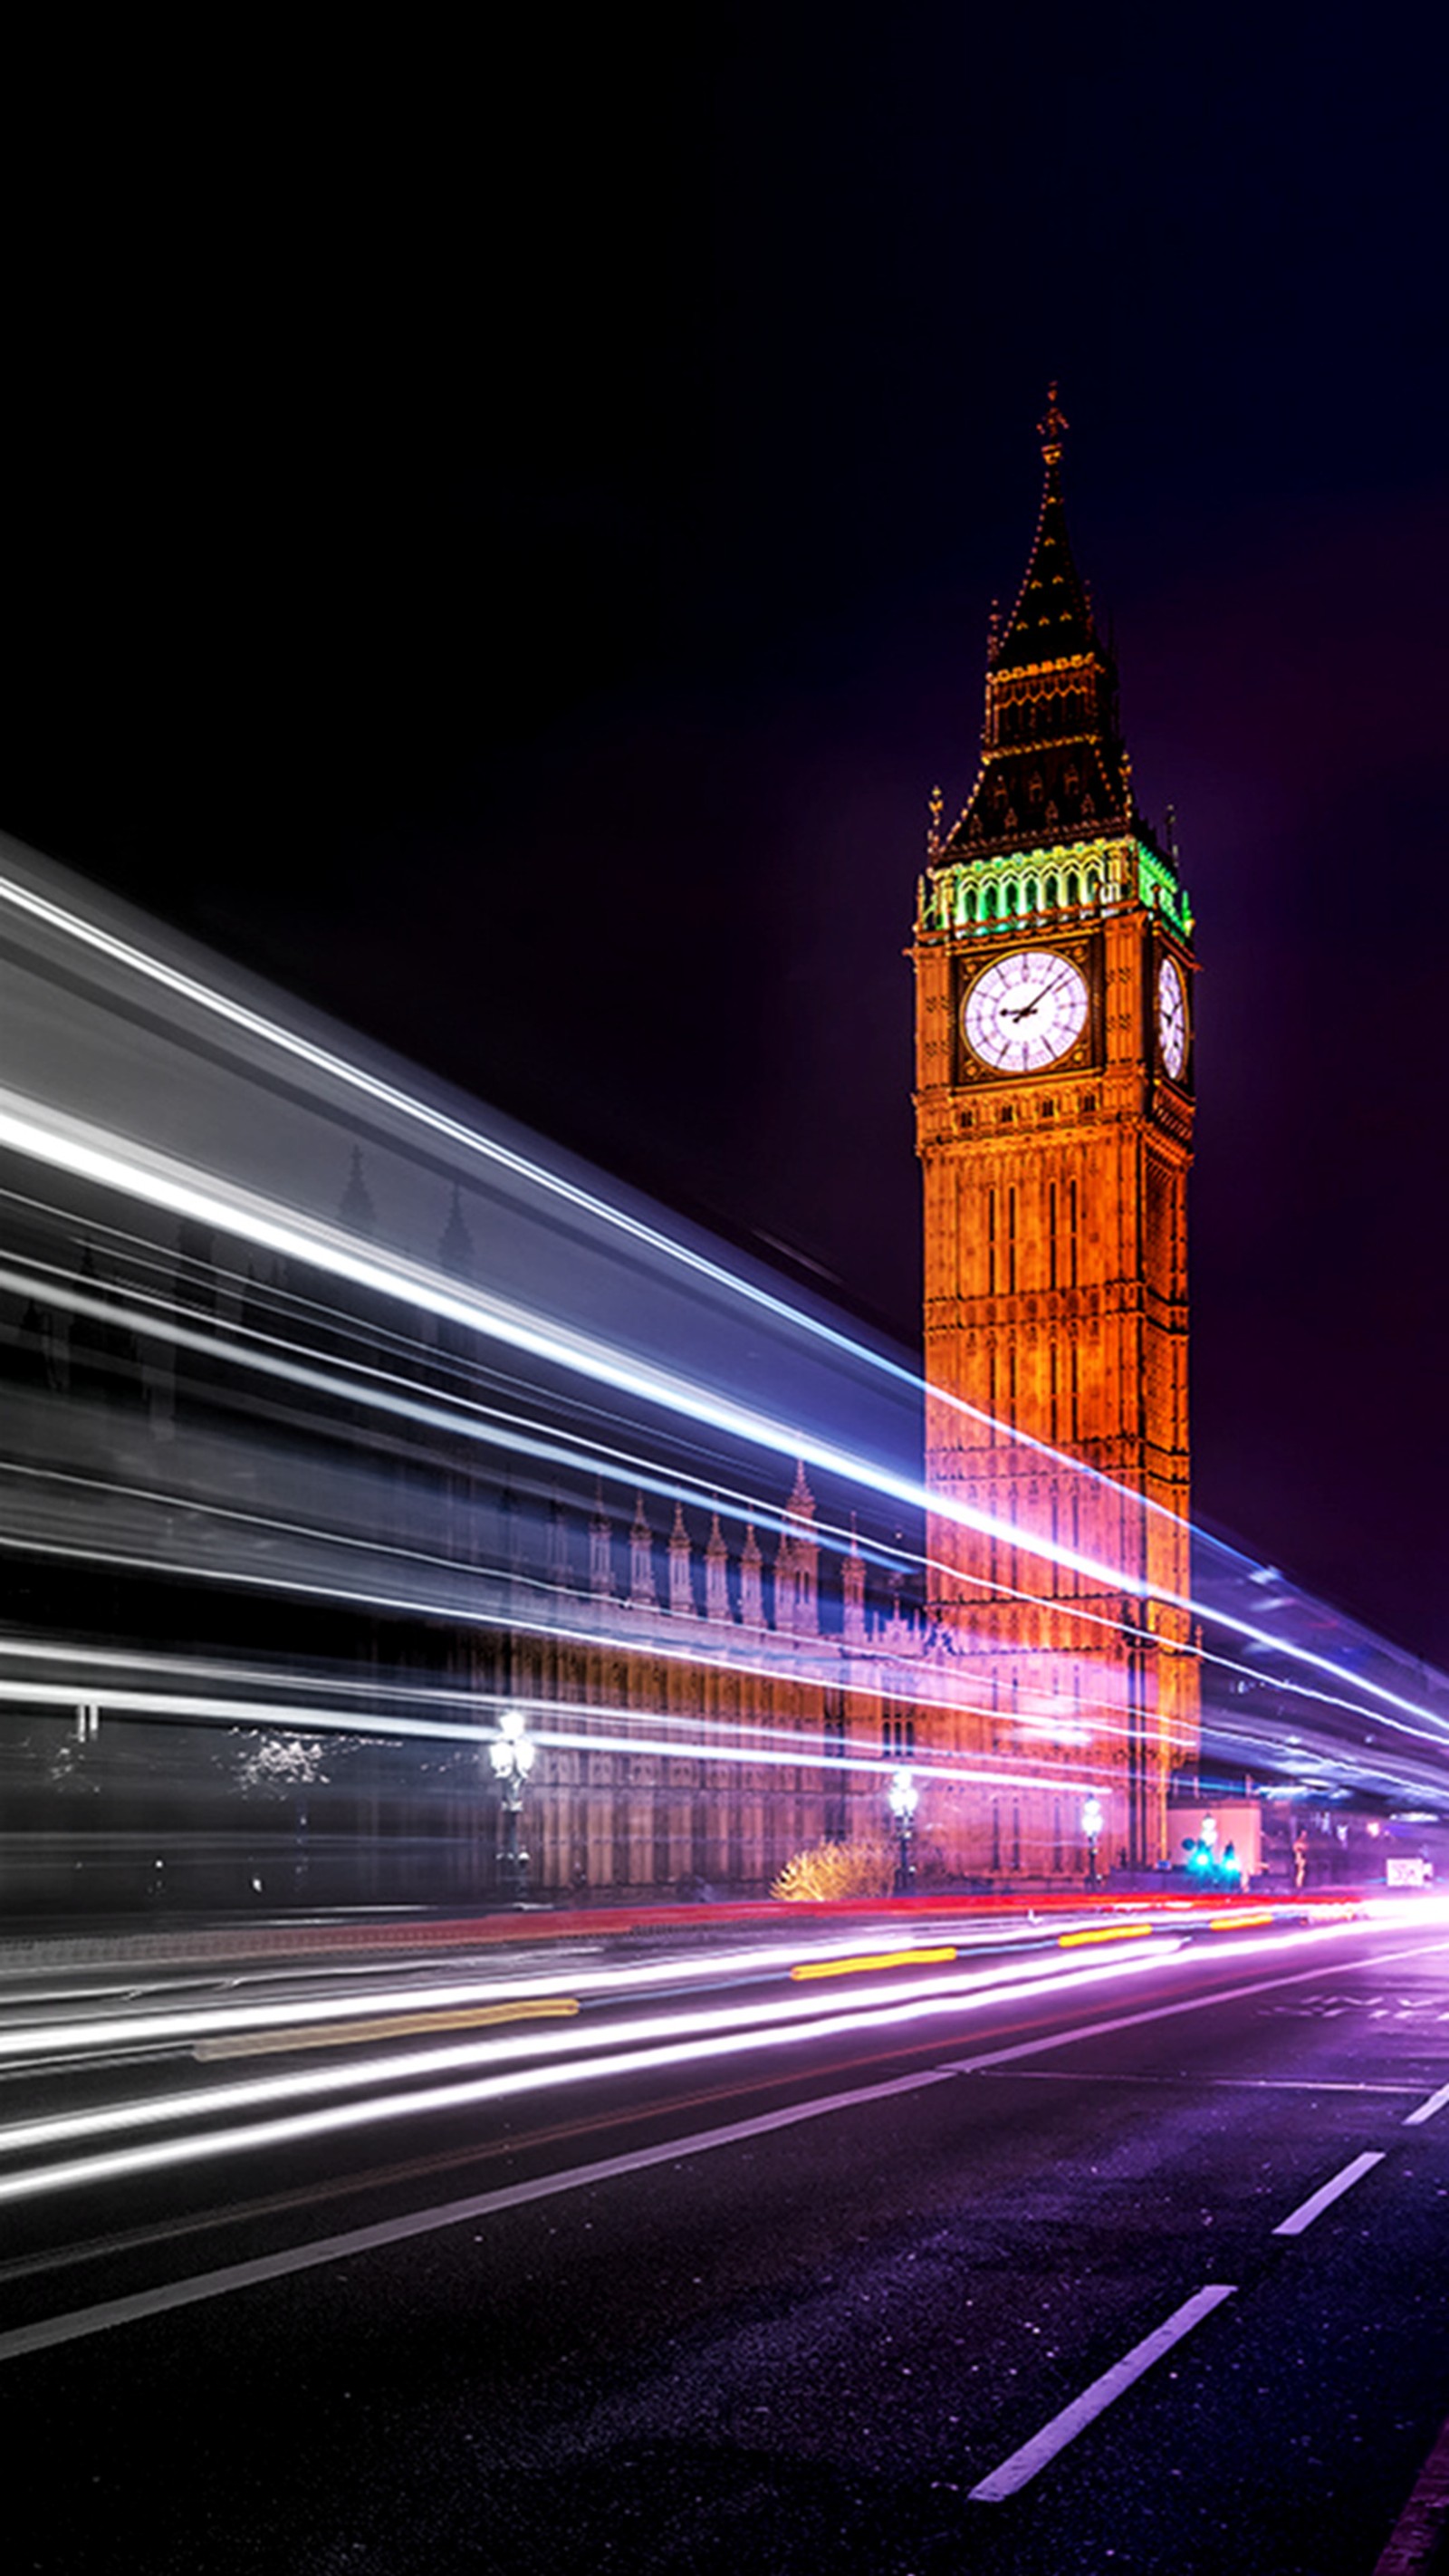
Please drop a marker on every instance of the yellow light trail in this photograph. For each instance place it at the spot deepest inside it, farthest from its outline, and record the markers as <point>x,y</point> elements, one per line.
<point>877,1959</point>
<point>348,2034</point>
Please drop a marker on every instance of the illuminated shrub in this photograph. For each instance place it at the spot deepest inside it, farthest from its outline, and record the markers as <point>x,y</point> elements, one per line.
<point>829,1870</point>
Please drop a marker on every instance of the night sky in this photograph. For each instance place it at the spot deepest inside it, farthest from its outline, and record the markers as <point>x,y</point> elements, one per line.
<point>500,539</point>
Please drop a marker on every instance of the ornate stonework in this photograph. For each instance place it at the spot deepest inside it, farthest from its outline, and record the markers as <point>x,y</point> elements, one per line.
<point>1054,1114</point>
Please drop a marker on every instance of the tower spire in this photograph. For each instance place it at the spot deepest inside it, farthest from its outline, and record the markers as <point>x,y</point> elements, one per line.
<point>1052,618</point>
<point>1053,762</point>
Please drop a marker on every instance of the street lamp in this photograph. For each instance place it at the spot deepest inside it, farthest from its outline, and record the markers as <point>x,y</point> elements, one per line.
<point>512,1754</point>
<point>1092,1822</point>
<point>903,1798</point>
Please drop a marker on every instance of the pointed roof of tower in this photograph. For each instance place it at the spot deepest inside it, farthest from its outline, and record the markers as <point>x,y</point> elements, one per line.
<point>1052,619</point>
<point>1054,766</point>
<point>643,1590</point>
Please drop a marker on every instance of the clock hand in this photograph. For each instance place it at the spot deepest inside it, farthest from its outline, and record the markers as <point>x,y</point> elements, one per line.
<point>1028,1007</point>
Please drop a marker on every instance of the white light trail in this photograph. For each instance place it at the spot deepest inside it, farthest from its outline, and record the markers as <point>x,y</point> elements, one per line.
<point>708,2045</point>
<point>56,920</point>
<point>848,2009</point>
<point>696,2040</point>
<point>88,1153</point>
<point>190,2026</point>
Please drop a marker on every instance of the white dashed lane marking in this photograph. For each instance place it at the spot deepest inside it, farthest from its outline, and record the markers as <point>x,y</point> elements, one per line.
<point>1084,2410</point>
<point>1426,2110</point>
<point>1307,2210</point>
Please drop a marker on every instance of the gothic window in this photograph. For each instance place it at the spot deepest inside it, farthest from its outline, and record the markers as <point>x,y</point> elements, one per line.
<point>1051,892</point>
<point>836,1820</point>
<point>1159,1214</point>
<point>1073,891</point>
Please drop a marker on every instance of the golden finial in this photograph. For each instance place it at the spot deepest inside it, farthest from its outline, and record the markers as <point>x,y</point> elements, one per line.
<point>1053,429</point>
<point>933,837</point>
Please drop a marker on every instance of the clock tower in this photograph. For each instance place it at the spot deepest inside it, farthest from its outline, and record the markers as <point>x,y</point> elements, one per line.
<point>1054,1102</point>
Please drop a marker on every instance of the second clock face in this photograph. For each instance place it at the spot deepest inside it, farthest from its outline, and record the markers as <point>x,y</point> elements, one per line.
<point>1171,1018</point>
<point>1025,1011</point>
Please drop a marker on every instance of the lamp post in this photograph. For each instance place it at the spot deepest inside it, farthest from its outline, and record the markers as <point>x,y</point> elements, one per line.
<point>903,1798</point>
<point>512,1754</point>
<point>1092,1822</point>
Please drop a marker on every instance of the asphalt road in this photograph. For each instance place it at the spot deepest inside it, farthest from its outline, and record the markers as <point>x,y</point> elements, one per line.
<point>1147,2274</point>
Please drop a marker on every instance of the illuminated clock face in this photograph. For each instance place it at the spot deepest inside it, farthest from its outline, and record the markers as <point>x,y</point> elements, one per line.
<point>1025,1011</point>
<point>1171,1018</point>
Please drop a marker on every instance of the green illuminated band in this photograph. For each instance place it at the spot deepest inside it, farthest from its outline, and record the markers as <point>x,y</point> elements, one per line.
<point>981,895</point>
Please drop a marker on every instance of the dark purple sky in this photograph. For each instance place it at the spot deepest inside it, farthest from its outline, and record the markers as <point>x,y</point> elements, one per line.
<point>505,549</point>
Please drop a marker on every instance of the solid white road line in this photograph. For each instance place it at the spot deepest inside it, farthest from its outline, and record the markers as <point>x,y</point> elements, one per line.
<point>1426,2110</point>
<point>1064,2428</point>
<point>1190,2083</point>
<point>1322,2199</point>
<point>1163,2012</point>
